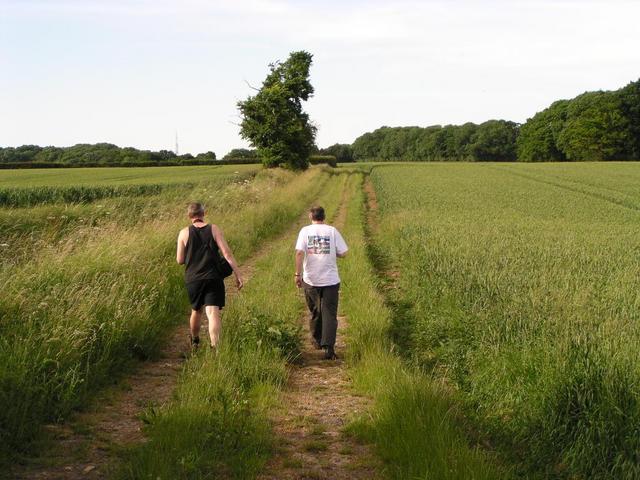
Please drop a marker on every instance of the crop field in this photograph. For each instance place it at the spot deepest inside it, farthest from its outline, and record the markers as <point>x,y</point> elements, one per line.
<point>25,188</point>
<point>520,286</point>
<point>492,309</point>
<point>64,177</point>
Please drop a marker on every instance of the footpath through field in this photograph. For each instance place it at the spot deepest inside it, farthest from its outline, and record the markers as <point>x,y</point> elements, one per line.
<point>309,423</point>
<point>87,446</point>
<point>317,404</point>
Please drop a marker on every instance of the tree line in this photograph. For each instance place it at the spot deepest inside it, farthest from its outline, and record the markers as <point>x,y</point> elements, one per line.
<point>602,125</point>
<point>340,152</point>
<point>104,154</point>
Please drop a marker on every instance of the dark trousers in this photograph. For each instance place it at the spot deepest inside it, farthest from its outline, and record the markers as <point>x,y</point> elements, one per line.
<point>323,305</point>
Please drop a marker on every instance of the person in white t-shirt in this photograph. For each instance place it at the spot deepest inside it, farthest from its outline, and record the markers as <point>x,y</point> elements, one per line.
<point>317,248</point>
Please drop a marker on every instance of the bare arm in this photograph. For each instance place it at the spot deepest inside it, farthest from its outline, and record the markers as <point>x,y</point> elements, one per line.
<point>341,246</point>
<point>226,253</point>
<point>299,259</point>
<point>182,245</point>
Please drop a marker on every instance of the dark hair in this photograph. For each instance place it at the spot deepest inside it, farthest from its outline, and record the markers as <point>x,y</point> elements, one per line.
<point>317,213</point>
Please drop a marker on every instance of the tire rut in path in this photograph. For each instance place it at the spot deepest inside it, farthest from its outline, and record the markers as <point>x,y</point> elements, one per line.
<point>86,446</point>
<point>318,402</point>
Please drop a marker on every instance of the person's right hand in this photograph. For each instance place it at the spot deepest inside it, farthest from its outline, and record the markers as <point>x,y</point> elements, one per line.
<point>239,282</point>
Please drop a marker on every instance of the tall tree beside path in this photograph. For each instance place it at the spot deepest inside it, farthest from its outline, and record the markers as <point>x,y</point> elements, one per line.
<point>273,119</point>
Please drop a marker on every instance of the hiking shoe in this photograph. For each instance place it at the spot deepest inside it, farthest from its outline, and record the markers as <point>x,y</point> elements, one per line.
<point>316,344</point>
<point>330,354</point>
<point>195,342</point>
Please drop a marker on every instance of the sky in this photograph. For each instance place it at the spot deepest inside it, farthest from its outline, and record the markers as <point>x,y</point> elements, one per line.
<point>136,72</point>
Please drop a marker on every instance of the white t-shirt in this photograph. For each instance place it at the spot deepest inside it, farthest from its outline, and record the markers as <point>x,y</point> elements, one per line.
<point>320,243</point>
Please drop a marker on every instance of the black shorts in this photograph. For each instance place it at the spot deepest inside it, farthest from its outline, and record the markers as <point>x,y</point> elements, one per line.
<point>206,292</point>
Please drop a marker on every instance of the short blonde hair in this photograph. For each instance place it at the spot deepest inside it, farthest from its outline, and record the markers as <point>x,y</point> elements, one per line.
<point>195,209</point>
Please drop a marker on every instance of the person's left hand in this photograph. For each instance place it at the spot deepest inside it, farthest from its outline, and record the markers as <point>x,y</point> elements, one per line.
<point>299,282</point>
<point>239,282</point>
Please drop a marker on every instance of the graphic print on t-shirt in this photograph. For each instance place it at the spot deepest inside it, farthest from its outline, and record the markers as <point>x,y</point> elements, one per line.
<point>319,244</point>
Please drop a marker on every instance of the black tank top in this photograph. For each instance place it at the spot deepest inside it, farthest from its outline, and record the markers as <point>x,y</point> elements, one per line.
<point>201,253</point>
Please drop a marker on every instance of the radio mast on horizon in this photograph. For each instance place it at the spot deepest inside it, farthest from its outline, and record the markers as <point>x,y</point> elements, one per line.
<point>176,150</point>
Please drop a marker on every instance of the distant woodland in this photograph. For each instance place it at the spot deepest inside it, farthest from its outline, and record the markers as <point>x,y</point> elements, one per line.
<point>592,126</point>
<point>99,154</point>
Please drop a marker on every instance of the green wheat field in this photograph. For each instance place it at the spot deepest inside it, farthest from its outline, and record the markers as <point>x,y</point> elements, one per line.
<point>494,312</point>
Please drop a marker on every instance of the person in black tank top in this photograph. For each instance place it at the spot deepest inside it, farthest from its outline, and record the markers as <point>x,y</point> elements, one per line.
<point>201,253</point>
<point>199,247</point>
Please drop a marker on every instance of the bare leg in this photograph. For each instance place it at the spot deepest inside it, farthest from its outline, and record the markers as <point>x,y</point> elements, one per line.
<point>215,323</point>
<point>194,323</point>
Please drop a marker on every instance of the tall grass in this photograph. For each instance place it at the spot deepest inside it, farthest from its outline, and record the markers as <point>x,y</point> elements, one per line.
<point>24,197</point>
<point>27,233</point>
<point>415,422</point>
<point>517,288</point>
<point>69,323</point>
<point>217,426</point>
